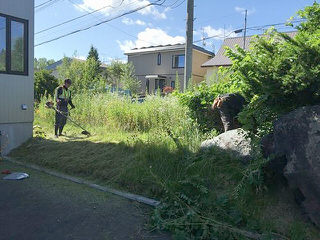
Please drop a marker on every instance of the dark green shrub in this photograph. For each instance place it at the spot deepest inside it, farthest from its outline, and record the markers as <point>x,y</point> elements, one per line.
<point>279,73</point>
<point>44,84</point>
<point>200,99</point>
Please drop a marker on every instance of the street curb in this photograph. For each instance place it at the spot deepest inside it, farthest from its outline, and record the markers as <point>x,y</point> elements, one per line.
<point>130,196</point>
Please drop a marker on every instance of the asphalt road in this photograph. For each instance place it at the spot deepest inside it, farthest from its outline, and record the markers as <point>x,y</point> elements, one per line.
<point>44,207</point>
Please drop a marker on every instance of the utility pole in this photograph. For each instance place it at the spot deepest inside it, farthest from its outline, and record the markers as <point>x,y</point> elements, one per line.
<point>245,29</point>
<point>189,44</point>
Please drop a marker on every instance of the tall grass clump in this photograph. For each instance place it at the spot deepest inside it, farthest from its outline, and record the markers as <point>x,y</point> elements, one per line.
<point>121,112</point>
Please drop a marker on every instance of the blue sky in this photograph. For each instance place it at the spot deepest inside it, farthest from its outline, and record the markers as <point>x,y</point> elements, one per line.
<point>154,25</point>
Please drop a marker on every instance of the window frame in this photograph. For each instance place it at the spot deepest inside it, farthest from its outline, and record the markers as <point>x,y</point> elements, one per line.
<point>173,60</point>
<point>25,22</point>
<point>159,59</point>
<point>148,85</point>
<point>173,84</point>
<point>156,84</point>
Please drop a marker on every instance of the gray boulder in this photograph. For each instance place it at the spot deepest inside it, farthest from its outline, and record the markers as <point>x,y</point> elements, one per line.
<point>234,141</point>
<point>297,138</point>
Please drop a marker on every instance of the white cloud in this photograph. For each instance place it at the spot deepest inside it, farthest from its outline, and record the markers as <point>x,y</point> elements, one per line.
<point>218,34</point>
<point>129,21</point>
<point>154,12</point>
<point>140,22</point>
<point>115,7</point>
<point>150,37</point>
<point>242,10</point>
<point>126,45</point>
<point>196,33</point>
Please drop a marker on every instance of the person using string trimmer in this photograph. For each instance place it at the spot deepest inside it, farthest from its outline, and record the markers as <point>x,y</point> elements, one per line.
<point>63,99</point>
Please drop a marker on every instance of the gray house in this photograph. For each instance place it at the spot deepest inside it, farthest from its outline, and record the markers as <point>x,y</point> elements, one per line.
<point>159,66</point>
<point>16,72</point>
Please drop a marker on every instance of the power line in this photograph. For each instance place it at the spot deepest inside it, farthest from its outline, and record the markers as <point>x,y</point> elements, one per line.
<point>76,18</point>
<point>275,24</point>
<point>75,25</point>
<point>81,24</point>
<point>43,3</point>
<point>249,28</point>
<point>182,2</point>
<point>110,25</point>
<point>214,36</point>
<point>171,6</point>
<point>46,5</point>
<point>102,22</point>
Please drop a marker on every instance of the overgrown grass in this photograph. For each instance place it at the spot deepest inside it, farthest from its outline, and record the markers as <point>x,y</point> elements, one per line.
<point>152,148</point>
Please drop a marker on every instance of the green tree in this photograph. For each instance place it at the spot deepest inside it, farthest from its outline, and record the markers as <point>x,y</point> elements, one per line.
<point>128,79</point>
<point>44,84</point>
<point>83,74</point>
<point>114,73</point>
<point>93,53</point>
<point>63,69</point>
<point>279,73</point>
<point>42,63</point>
<point>92,79</point>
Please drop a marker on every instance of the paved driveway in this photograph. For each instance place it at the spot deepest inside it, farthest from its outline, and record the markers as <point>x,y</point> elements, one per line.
<point>43,207</point>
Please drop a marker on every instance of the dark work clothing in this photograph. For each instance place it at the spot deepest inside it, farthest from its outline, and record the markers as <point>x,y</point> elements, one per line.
<point>231,106</point>
<point>61,120</point>
<point>63,98</point>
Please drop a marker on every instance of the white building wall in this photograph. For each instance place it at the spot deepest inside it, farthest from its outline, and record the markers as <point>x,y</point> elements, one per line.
<point>16,90</point>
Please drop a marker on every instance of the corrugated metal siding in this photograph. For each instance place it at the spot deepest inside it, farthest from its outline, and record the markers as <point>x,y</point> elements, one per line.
<point>16,90</point>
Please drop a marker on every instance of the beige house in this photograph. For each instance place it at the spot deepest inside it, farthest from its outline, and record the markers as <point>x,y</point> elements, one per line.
<point>220,60</point>
<point>159,66</point>
<point>16,72</point>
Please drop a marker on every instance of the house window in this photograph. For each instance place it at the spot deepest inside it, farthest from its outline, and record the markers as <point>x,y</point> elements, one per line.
<point>13,45</point>
<point>159,84</point>
<point>148,85</point>
<point>173,84</point>
<point>162,84</point>
<point>178,61</point>
<point>156,84</point>
<point>159,59</point>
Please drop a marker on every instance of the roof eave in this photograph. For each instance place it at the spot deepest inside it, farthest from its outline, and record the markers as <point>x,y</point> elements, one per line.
<point>166,49</point>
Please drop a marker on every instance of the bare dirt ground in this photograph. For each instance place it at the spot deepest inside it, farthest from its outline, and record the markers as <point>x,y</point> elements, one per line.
<point>45,207</point>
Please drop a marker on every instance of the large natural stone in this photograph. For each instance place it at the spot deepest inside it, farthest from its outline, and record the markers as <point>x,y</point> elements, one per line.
<point>297,138</point>
<point>234,141</point>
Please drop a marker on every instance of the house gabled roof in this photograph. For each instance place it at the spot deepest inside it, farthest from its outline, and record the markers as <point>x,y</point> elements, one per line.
<point>54,65</point>
<point>166,48</point>
<point>221,60</point>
